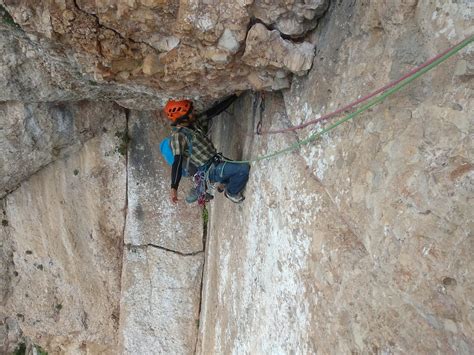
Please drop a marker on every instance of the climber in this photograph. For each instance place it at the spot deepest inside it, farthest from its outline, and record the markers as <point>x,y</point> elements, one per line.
<point>191,146</point>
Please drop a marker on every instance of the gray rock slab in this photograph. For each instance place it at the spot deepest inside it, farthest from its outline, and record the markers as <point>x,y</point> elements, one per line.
<point>62,234</point>
<point>152,218</point>
<point>361,240</point>
<point>33,135</point>
<point>160,301</point>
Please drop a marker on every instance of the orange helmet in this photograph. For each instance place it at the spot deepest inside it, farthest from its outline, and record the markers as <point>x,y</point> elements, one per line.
<point>176,109</point>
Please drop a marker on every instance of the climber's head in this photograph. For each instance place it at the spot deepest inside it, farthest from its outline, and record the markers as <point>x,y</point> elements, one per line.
<point>179,111</point>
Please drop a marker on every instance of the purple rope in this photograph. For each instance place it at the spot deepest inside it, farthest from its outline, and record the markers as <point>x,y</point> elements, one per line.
<point>365,98</point>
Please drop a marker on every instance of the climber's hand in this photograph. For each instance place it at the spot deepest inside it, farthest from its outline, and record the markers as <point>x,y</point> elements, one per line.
<point>174,195</point>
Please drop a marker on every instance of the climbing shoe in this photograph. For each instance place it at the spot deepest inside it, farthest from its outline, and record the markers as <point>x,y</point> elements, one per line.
<point>237,198</point>
<point>217,186</point>
<point>193,196</point>
<point>209,197</point>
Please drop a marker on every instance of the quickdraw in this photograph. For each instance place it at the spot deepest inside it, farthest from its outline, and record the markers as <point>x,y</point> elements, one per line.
<point>199,181</point>
<point>259,101</point>
<point>407,79</point>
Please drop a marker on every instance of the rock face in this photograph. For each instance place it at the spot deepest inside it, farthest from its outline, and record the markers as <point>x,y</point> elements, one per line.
<point>154,48</point>
<point>152,219</point>
<point>357,242</point>
<point>291,18</point>
<point>61,239</point>
<point>163,258</point>
<point>160,301</point>
<point>360,241</point>
<point>89,237</point>
<point>34,135</point>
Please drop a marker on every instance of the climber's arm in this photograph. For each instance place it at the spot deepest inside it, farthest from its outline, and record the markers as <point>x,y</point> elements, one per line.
<point>176,173</point>
<point>217,108</point>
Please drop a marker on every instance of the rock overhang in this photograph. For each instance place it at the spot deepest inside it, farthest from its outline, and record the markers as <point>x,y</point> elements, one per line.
<point>140,53</point>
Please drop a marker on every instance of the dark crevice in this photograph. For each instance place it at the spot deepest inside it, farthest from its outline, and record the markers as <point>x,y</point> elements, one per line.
<point>7,19</point>
<point>254,20</point>
<point>170,250</point>
<point>125,209</point>
<point>293,38</point>
<point>125,212</point>
<point>201,290</point>
<point>205,222</point>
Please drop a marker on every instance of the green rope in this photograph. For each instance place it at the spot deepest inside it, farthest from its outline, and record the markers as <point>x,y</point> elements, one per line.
<point>363,108</point>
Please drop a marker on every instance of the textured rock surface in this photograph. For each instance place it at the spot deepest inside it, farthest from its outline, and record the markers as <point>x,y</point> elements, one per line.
<point>152,218</point>
<point>150,48</point>
<point>291,18</point>
<point>36,70</point>
<point>160,301</point>
<point>62,245</point>
<point>34,135</point>
<point>63,230</point>
<point>361,242</point>
<point>163,259</point>
<point>266,48</point>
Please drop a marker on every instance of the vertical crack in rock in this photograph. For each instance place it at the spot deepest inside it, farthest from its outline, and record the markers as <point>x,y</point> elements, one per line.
<point>205,222</point>
<point>6,255</point>
<point>125,208</point>
<point>201,288</point>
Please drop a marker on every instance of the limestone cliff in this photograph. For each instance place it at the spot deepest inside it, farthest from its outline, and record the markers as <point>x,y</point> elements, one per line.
<point>141,52</point>
<point>362,241</point>
<point>358,242</point>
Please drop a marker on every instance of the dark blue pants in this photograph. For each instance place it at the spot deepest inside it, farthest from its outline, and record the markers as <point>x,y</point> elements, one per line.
<point>233,175</point>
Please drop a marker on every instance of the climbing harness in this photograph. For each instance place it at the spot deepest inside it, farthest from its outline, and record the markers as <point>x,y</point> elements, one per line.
<point>199,181</point>
<point>393,88</point>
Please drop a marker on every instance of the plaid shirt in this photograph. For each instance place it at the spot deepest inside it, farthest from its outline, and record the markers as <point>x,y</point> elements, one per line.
<point>202,149</point>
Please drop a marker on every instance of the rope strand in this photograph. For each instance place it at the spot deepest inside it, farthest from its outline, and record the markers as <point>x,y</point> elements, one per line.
<point>401,84</point>
<point>369,96</point>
